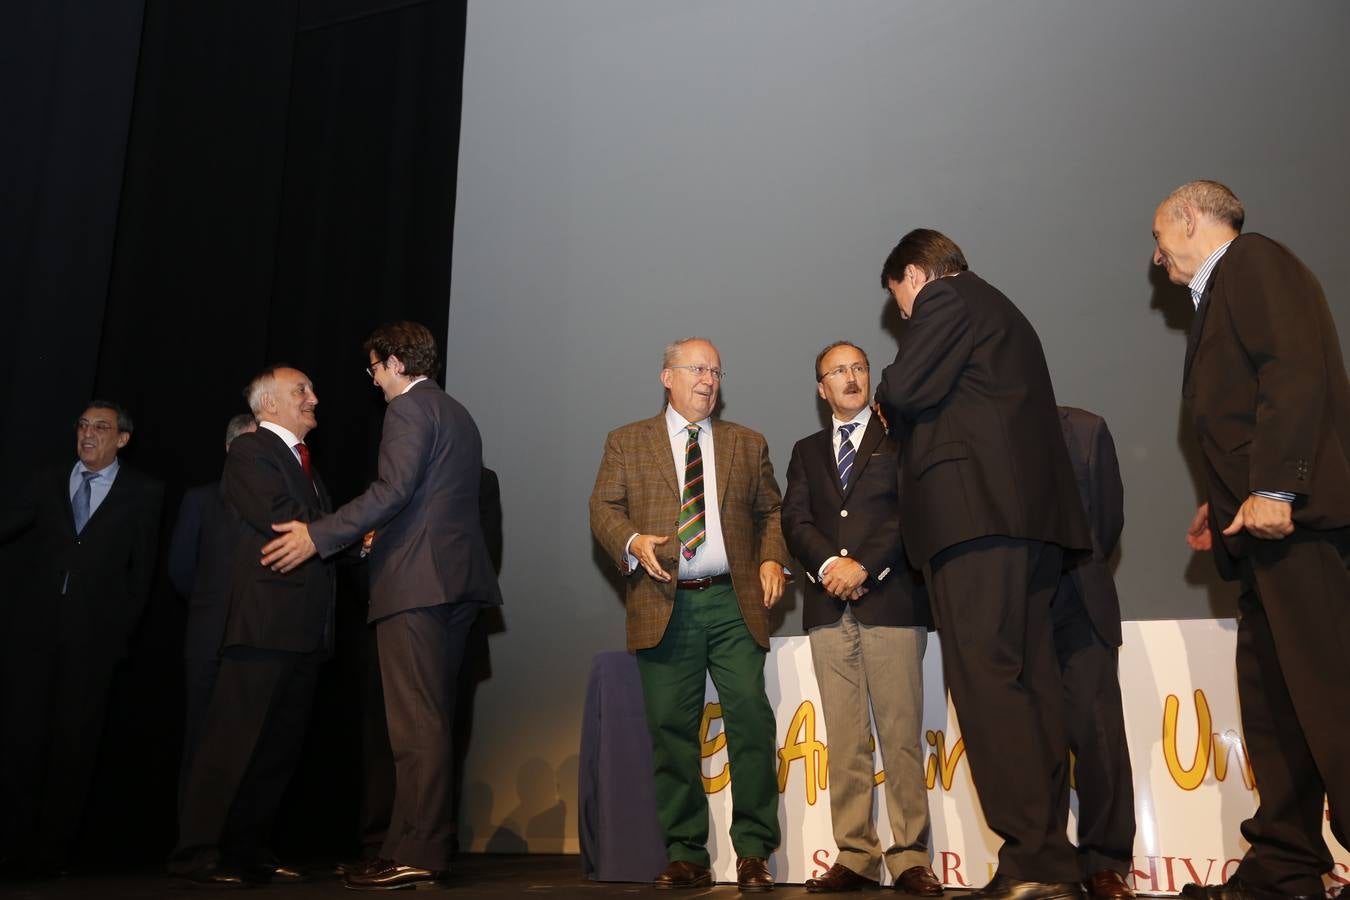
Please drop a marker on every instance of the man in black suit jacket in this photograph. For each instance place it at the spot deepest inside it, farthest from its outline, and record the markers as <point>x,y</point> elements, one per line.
<point>866,614</point>
<point>1087,635</point>
<point>94,529</point>
<point>430,573</point>
<point>200,552</point>
<point>989,505</point>
<point>1270,402</point>
<point>278,631</point>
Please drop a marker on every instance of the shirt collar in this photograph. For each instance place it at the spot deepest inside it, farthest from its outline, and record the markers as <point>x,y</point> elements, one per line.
<point>282,432</point>
<point>675,423</point>
<point>1202,274</point>
<point>862,418</point>
<point>109,472</point>
<point>419,378</point>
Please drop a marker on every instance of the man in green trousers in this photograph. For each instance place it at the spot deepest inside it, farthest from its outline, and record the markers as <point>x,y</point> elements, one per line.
<point>689,509</point>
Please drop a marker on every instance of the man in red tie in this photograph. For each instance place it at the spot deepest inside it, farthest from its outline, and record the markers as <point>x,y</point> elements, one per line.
<point>279,630</point>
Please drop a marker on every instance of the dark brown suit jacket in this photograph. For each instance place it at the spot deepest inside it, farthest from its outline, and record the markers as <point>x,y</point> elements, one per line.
<point>637,491</point>
<point>862,522</point>
<point>970,402</point>
<point>1266,387</point>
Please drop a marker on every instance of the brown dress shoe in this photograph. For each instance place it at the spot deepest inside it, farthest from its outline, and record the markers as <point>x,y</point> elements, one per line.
<point>837,880</point>
<point>918,881</point>
<point>683,874</point>
<point>1107,884</point>
<point>393,877</point>
<point>752,874</point>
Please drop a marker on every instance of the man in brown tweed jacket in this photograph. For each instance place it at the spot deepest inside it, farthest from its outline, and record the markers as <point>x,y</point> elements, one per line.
<point>689,509</point>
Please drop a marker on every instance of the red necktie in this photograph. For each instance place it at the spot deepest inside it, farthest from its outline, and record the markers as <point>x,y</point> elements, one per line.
<point>304,461</point>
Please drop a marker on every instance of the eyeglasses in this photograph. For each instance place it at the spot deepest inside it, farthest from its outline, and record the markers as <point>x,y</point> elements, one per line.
<point>370,369</point>
<point>700,371</point>
<point>86,425</point>
<point>857,369</point>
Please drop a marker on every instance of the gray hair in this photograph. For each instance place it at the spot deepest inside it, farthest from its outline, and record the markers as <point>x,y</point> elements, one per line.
<point>261,385</point>
<point>673,350</point>
<point>237,426</point>
<point>1211,198</point>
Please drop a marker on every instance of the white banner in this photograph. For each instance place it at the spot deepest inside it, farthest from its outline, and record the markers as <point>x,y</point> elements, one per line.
<point>1192,781</point>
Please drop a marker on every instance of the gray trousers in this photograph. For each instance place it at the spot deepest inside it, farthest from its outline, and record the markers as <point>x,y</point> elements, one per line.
<point>856,663</point>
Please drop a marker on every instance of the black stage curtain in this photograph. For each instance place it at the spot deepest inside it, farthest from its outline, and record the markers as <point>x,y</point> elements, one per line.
<point>195,190</point>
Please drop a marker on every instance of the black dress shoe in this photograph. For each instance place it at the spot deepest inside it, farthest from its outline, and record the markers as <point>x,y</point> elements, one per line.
<point>273,872</point>
<point>1238,889</point>
<point>752,874</point>
<point>362,866</point>
<point>1004,888</point>
<point>683,874</point>
<point>394,877</point>
<point>214,875</point>
<point>1108,884</point>
<point>837,880</point>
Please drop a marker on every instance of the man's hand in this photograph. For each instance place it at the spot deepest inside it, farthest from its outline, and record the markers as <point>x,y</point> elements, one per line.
<point>876,411</point>
<point>1198,537</point>
<point>1263,517</point>
<point>771,578</point>
<point>291,549</point>
<point>843,577</point>
<point>643,546</point>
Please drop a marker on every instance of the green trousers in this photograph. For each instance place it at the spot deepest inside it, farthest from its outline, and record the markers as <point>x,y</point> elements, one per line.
<point>706,634</point>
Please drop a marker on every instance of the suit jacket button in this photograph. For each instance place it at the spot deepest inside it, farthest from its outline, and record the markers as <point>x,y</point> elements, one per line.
<point>843,513</point>
<point>843,553</point>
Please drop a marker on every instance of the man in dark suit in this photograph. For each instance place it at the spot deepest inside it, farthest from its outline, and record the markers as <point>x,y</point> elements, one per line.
<point>1270,403</point>
<point>989,506</point>
<point>866,615</point>
<point>200,552</point>
<point>278,632</point>
<point>430,573</point>
<point>688,509</point>
<point>1087,634</point>
<point>94,529</point>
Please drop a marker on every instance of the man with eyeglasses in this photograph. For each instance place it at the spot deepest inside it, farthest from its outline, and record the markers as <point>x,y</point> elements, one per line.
<point>866,615</point>
<point>990,506</point>
<point>688,508</point>
<point>94,528</point>
<point>430,574</point>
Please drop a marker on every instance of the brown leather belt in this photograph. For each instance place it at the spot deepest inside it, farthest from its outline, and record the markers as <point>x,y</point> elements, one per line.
<point>700,584</point>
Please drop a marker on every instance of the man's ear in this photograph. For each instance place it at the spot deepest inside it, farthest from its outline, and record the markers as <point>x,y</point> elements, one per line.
<point>820,389</point>
<point>395,364</point>
<point>1188,217</point>
<point>122,438</point>
<point>666,376</point>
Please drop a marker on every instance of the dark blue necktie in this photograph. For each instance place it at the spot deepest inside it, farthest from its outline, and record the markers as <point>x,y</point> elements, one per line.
<point>846,453</point>
<point>79,505</point>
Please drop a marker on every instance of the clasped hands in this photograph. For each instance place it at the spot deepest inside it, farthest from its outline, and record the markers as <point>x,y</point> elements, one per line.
<point>643,546</point>
<point>1262,517</point>
<point>843,578</point>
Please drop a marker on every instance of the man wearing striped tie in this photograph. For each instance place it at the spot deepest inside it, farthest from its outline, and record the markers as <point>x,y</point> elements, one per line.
<point>866,614</point>
<point>689,509</point>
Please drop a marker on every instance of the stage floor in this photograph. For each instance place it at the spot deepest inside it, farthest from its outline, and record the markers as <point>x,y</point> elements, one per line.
<point>474,876</point>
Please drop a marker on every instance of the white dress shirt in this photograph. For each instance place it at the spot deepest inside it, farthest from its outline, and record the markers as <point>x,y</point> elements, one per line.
<point>99,485</point>
<point>286,435</point>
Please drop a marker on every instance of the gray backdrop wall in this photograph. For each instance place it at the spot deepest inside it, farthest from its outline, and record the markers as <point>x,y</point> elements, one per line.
<point>633,172</point>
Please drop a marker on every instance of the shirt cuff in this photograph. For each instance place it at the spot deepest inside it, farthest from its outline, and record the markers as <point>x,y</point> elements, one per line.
<point>1276,495</point>
<point>820,573</point>
<point>629,559</point>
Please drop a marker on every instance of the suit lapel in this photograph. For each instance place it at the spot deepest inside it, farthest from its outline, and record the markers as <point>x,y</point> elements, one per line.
<point>1198,323</point>
<point>824,445</point>
<point>724,449</point>
<point>659,443</point>
<point>871,439</point>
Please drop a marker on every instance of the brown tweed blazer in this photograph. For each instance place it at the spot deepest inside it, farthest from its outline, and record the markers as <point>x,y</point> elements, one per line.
<point>637,491</point>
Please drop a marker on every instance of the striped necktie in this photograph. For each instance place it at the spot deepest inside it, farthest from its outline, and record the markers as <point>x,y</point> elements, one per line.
<point>693,528</point>
<point>84,497</point>
<point>846,453</point>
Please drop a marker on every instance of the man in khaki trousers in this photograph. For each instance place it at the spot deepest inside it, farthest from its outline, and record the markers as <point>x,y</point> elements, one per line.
<point>866,615</point>
<point>689,510</point>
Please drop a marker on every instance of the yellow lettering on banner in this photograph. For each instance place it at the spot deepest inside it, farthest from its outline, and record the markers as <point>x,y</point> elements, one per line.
<point>1230,744</point>
<point>1188,779</point>
<point>939,763</point>
<point>712,785</point>
<point>801,743</point>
